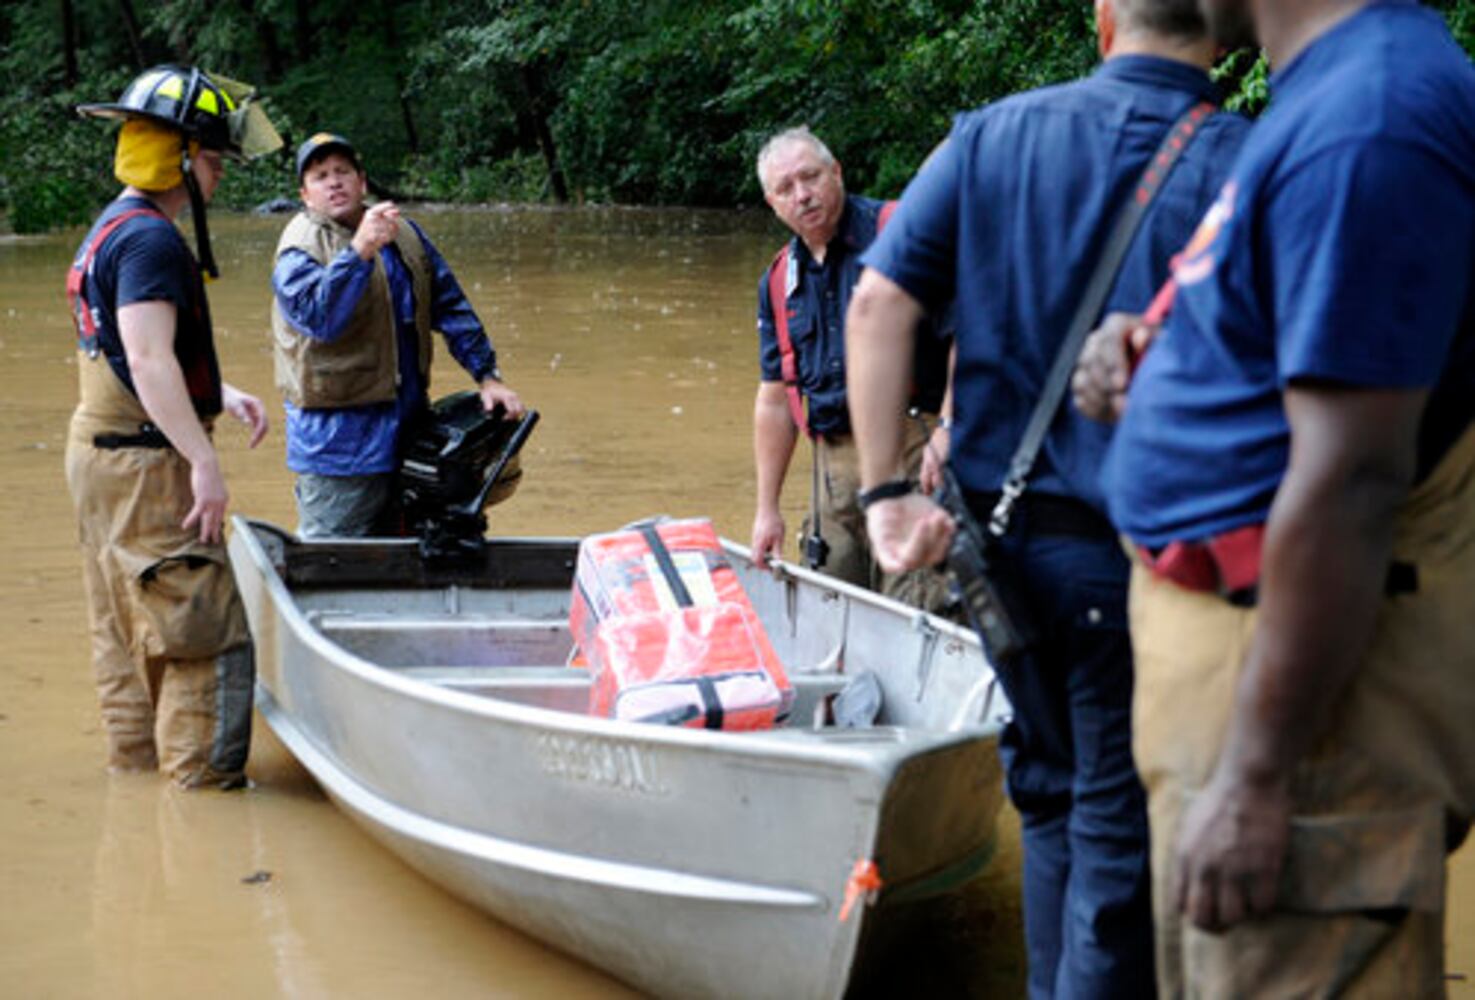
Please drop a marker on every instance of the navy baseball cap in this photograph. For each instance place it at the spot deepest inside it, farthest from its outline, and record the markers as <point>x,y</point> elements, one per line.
<point>320,145</point>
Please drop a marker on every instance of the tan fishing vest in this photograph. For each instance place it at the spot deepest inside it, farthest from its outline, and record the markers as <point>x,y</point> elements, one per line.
<point>361,364</point>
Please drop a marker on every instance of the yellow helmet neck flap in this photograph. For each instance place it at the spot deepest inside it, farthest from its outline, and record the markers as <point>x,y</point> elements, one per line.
<point>149,155</point>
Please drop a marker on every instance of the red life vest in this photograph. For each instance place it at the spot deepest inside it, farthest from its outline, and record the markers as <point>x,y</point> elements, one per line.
<point>778,301</point>
<point>82,313</point>
<point>197,361</point>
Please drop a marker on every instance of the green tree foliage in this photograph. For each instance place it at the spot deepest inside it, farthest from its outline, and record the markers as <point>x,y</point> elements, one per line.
<point>643,101</point>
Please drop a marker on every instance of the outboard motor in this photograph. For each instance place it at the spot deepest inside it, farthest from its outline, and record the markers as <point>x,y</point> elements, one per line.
<point>456,460</point>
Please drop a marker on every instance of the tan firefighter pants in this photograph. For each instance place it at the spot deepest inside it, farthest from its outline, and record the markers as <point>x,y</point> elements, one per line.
<point>1379,800</point>
<point>170,650</point>
<point>843,524</point>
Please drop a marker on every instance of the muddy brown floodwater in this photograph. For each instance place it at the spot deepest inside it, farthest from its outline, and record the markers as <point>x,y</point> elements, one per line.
<point>632,333</point>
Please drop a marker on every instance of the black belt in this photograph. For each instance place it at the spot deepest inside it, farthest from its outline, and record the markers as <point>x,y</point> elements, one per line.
<point>1402,578</point>
<point>1045,514</point>
<point>148,436</point>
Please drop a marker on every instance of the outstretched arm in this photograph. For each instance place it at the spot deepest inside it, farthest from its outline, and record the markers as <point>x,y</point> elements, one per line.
<point>880,338</point>
<point>452,314</point>
<point>774,437</point>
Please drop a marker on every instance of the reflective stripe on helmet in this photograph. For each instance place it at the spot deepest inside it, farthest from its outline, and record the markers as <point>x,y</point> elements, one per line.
<point>172,87</point>
<point>215,110</point>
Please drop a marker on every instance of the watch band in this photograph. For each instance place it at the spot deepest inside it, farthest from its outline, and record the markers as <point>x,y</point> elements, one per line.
<point>888,490</point>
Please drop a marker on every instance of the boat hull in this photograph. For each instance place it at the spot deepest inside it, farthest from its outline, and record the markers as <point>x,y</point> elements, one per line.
<point>438,713</point>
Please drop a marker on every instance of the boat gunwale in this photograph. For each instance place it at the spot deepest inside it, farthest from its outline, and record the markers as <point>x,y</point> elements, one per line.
<point>881,755</point>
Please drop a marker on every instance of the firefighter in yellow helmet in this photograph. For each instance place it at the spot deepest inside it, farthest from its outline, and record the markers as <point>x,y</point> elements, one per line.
<point>171,654</point>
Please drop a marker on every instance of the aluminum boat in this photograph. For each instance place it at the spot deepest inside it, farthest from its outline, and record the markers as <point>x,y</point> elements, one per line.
<point>435,703</point>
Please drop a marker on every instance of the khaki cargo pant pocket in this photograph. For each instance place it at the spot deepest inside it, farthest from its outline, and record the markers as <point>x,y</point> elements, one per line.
<point>185,605</point>
<point>1359,913</point>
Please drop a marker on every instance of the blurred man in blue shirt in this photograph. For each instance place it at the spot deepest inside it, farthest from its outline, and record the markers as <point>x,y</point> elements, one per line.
<point>1295,469</point>
<point>358,291</point>
<point>1011,215</point>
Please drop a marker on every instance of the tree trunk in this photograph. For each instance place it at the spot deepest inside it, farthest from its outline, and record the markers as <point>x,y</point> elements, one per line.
<point>391,44</point>
<point>412,136</point>
<point>533,87</point>
<point>301,14</point>
<point>69,43</point>
<point>135,37</point>
<point>271,49</point>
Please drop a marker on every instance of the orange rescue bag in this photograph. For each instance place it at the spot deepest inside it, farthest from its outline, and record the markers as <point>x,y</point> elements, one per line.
<point>670,635</point>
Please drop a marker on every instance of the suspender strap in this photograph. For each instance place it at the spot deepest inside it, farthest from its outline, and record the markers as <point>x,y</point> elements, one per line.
<point>779,283</point>
<point>1156,315</point>
<point>778,301</point>
<point>1088,311</point>
<point>82,315</point>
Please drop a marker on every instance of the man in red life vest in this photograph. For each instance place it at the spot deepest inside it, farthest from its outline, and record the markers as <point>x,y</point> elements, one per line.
<point>802,299</point>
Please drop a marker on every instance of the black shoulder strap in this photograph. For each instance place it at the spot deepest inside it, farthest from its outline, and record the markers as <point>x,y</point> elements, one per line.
<point>1089,309</point>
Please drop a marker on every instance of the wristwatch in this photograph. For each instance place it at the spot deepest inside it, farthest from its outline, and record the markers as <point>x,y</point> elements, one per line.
<point>888,490</point>
<point>486,373</point>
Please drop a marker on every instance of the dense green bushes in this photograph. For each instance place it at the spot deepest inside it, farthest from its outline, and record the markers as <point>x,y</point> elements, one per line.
<point>647,101</point>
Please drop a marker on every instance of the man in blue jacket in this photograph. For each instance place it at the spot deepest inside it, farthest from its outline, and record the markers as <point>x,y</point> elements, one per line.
<point>1010,215</point>
<point>358,291</point>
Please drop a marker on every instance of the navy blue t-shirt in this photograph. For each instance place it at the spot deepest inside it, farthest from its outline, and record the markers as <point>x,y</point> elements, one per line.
<point>146,260</point>
<point>818,296</point>
<point>1341,251</point>
<point>1010,215</point>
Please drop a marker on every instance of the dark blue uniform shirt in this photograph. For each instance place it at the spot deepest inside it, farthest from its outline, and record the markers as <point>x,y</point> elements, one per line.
<point>1340,252</point>
<point>147,260</point>
<point>818,297</point>
<point>1009,216</point>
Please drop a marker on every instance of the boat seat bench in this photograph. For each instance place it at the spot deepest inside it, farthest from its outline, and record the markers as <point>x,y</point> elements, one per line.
<point>407,644</point>
<point>567,688</point>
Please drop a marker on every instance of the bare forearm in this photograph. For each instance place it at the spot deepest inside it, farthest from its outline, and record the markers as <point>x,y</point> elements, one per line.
<point>945,411</point>
<point>774,437</point>
<point>161,389</point>
<point>1327,549</point>
<point>147,332</point>
<point>880,334</point>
